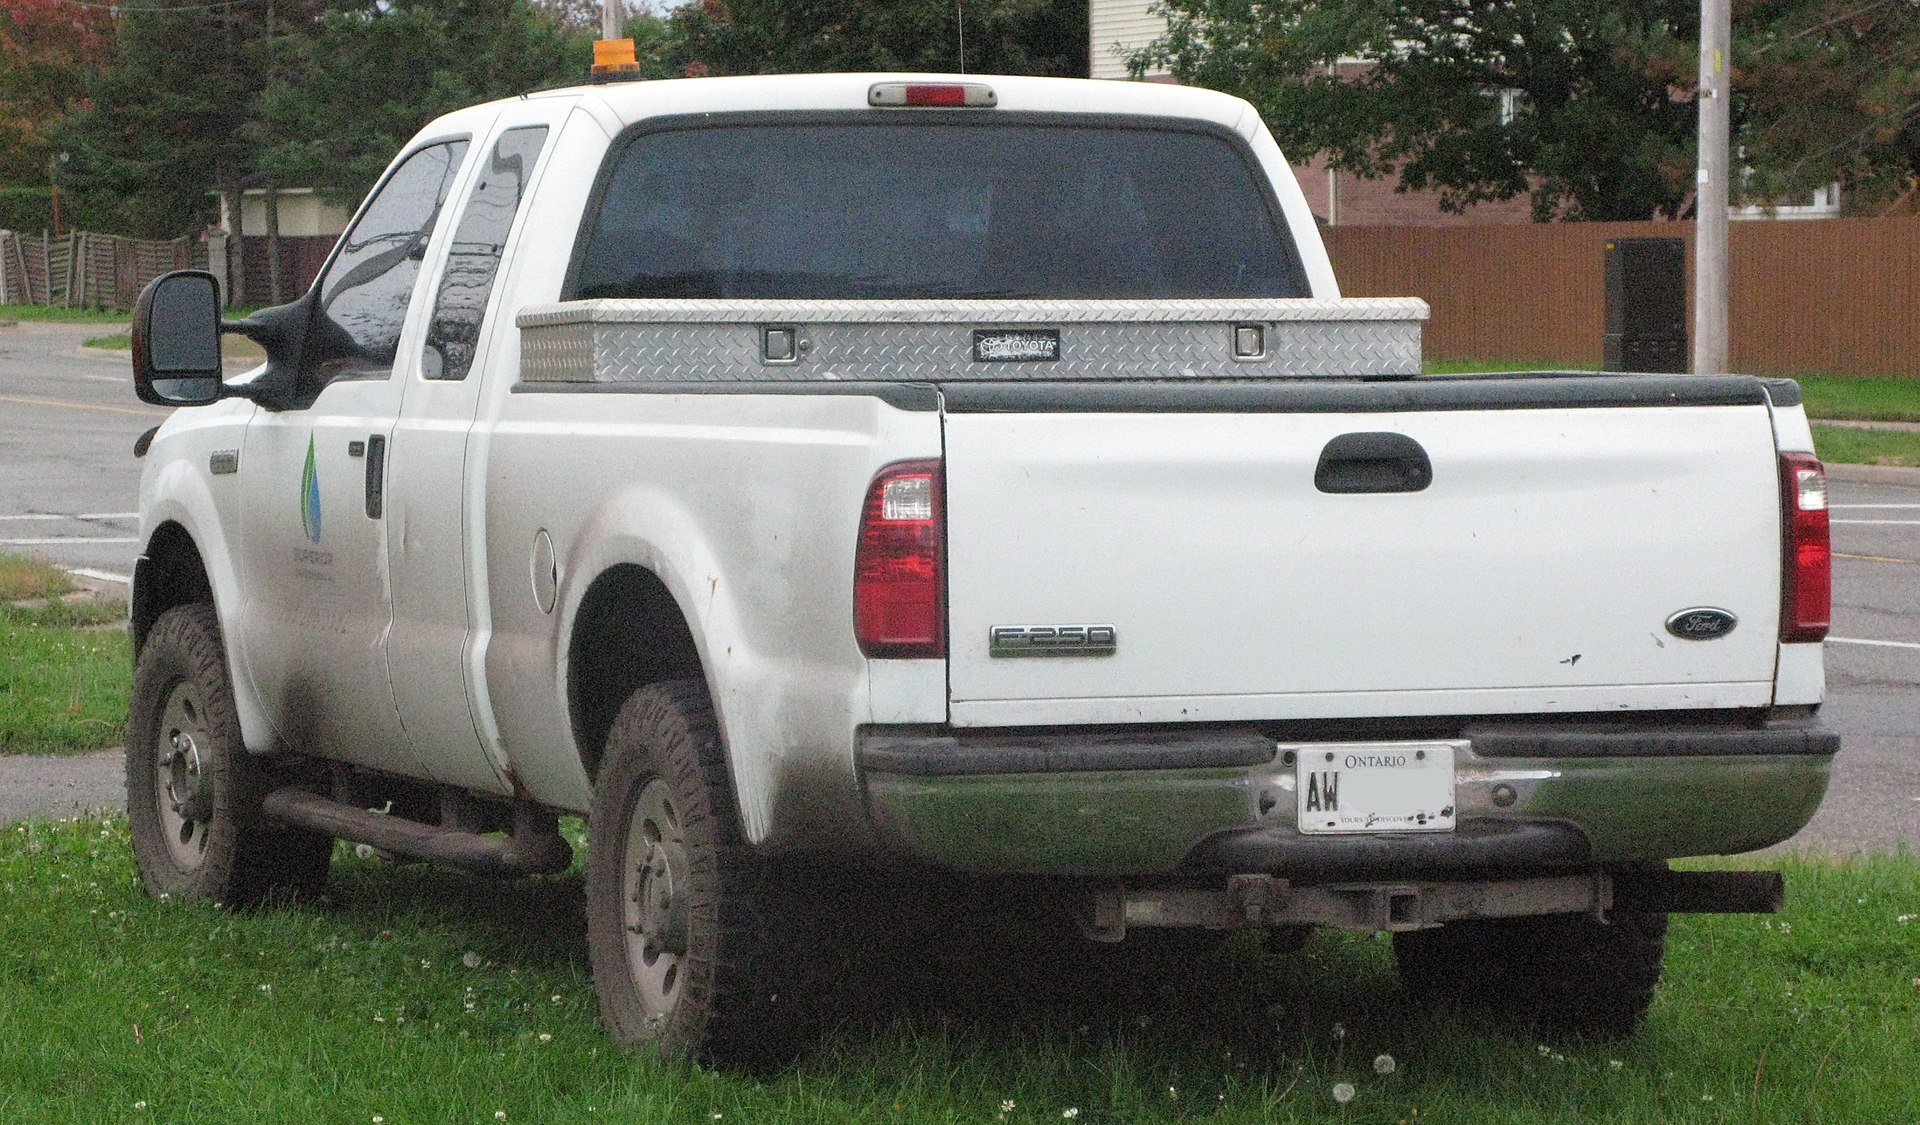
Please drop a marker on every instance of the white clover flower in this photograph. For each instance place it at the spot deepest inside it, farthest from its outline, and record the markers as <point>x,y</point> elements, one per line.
<point>1905,918</point>
<point>472,961</point>
<point>1383,1064</point>
<point>363,851</point>
<point>1070,1112</point>
<point>498,1114</point>
<point>139,1104</point>
<point>1615,1064</point>
<point>377,1119</point>
<point>547,1037</point>
<point>1343,1092</point>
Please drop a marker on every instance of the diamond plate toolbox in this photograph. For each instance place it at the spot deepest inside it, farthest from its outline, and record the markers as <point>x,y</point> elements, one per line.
<point>706,341</point>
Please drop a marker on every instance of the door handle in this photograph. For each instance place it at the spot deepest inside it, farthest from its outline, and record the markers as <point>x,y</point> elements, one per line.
<point>376,475</point>
<point>1373,462</point>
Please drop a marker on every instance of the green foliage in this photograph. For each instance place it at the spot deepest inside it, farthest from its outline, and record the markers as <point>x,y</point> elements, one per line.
<point>1585,106</point>
<point>64,678</point>
<point>62,314</point>
<point>1829,91</point>
<point>291,93</point>
<point>415,995</point>
<point>1851,445</point>
<point>29,210</point>
<point>1569,102</point>
<point>26,208</point>
<point>1879,399</point>
<point>792,36</point>
<point>350,90</point>
<point>48,49</point>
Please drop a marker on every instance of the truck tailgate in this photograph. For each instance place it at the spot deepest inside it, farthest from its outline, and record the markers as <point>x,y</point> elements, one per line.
<point>1536,572</point>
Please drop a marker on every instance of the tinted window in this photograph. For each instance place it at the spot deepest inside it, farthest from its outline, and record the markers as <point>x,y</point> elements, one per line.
<point>364,295</point>
<point>921,210</point>
<point>474,257</point>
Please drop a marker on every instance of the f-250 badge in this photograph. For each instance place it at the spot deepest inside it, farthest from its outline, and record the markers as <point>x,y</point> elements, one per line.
<point>1052,640</point>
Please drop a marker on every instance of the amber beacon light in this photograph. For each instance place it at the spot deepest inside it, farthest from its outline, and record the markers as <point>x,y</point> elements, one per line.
<point>614,60</point>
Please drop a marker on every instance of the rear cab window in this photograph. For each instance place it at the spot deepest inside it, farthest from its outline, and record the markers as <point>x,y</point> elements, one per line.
<point>932,206</point>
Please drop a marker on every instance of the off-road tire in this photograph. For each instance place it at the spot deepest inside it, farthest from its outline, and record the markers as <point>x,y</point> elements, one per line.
<point>1559,973</point>
<point>193,790</point>
<point>698,949</point>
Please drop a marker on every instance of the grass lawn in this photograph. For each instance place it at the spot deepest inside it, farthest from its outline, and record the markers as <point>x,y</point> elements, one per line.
<point>413,995</point>
<point>1866,399</point>
<point>1875,400</point>
<point>65,671</point>
<point>231,346</point>
<point>1838,445</point>
<point>68,316</point>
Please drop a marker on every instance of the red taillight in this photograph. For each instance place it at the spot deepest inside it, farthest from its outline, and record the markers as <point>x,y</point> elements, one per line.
<point>899,583</point>
<point>1806,584</point>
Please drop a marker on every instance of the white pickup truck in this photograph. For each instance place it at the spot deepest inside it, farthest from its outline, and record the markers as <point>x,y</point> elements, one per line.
<point>977,475</point>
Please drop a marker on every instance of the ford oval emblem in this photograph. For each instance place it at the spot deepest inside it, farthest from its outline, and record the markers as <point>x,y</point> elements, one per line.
<point>1703,624</point>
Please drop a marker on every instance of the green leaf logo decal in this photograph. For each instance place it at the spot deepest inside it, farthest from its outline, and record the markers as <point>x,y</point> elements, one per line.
<point>310,497</point>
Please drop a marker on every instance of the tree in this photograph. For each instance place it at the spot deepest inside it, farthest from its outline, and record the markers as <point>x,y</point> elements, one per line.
<point>1583,105</point>
<point>281,93</point>
<point>793,36</point>
<point>47,50</point>
<point>351,89</point>
<point>164,122</point>
<point>1829,91</point>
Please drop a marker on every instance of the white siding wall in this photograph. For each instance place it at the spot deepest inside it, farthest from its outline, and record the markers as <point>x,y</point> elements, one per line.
<point>1120,27</point>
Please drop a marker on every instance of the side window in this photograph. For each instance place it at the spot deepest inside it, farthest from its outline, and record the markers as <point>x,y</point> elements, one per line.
<point>474,256</point>
<point>364,294</point>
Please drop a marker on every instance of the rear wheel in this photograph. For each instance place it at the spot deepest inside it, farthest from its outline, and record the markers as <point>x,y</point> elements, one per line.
<point>193,791</point>
<point>1565,973</point>
<point>694,944</point>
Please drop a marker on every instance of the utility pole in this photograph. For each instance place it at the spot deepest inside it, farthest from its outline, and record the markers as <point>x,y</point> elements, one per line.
<point>1712,184</point>
<point>611,12</point>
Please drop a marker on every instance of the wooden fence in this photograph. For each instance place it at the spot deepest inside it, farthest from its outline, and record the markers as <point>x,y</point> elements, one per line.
<point>1834,295</point>
<point>86,270</point>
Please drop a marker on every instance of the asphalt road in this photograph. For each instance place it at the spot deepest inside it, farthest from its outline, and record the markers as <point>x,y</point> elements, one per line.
<point>69,487</point>
<point>69,484</point>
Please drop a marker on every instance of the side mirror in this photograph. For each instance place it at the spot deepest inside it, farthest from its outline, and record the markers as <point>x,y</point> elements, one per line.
<point>176,340</point>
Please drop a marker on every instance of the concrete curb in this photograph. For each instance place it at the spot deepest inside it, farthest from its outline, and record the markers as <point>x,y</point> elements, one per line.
<point>1875,474</point>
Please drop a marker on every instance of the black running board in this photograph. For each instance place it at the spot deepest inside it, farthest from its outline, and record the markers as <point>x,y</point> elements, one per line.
<point>535,848</point>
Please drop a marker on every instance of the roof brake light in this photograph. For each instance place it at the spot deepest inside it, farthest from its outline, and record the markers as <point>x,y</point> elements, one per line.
<point>948,95</point>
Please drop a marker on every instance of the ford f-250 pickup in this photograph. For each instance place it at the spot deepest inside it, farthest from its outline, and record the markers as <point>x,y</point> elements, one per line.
<point>969,475</point>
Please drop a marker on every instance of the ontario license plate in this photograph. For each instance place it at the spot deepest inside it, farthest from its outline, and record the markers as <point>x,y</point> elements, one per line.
<point>1374,787</point>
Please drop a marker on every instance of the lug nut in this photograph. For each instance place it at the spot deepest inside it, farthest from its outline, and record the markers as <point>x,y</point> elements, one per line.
<point>1503,795</point>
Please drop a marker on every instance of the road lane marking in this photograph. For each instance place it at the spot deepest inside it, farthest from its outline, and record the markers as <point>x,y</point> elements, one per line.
<point>1871,558</point>
<point>84,406</point>
<point>81,516</point>
<point>1875,644</point>
<point>56,540</point>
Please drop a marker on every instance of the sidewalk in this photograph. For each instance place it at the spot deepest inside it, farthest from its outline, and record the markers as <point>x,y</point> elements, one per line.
<point>35,786</point>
